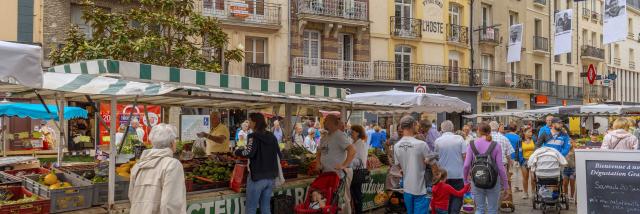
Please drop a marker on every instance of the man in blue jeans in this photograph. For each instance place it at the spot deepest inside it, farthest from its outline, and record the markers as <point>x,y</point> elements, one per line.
<point>413,156</point>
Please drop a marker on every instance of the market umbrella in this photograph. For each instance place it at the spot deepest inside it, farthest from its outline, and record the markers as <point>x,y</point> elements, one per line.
<point>417,102</point>
<point>37,111</point>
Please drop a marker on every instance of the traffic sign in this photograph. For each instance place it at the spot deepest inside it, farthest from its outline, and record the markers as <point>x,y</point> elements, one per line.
<point>612,76</point>
<point>419,89</point>
<point>591,74</point>
<point>606,82</point>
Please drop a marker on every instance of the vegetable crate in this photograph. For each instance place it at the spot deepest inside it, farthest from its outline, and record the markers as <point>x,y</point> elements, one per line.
<point>101,190</point>
<point>19,174</point>
<point>8,180</point>
<point>40,205</point>
<point>78,196</point>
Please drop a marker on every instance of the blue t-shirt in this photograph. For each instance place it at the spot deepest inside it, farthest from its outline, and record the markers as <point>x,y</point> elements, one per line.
<point>514,139</point>
<point>369,134</point>
<point>560,142</point>
<point>377,139</point>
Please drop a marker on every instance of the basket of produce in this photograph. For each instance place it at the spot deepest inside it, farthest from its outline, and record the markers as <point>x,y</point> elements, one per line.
<point>209,175</point>
<point>20,174</point>
<point>99,178</point>
<point>67,192</point>
<point>17,199</point>
<point>88,166</point>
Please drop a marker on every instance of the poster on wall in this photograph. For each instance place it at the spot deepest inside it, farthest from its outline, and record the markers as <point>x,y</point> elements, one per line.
<point>563,33</point>
<point>615,21</point>
<point>515,43</point>
<point>122,118</point>
<point>190,125</point>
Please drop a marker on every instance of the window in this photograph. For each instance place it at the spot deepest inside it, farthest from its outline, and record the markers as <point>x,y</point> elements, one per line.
<point>585,36</point>
<point>76,18</point>
<point>556,58</point>
<point>513,18</point>
<point>630,26</point>
<point>345,47</point>
<point>404,8</point>
<point>454,14</point>
<point>311,46</point>
<point>631,56</point>
<point>569,58</point>
<point>487,65</point>
<point>537,27</point>
<point>558,77</point>
<point>594,6</point>
<point>403,62</point>
<point>570,78</point>
<point>486,15</point>
<point>256,7</point>
<point>616,51</point>
<point>594,39</point>
<point>513,69</point>
<point>538,68</point>
<point>255,51</point>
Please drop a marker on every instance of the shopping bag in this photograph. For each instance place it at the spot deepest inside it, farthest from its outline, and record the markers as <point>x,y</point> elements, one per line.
<point>238,177</point>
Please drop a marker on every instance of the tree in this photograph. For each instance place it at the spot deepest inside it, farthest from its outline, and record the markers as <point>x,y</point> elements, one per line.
<point>160,32</point>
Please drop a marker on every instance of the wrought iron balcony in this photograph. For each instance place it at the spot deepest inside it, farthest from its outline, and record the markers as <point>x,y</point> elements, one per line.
<point>569,92</point>
<point>540,44</point>
<point>331,69</point>
<point>420,73</point>
<point>499,79</point>
<point>257,13</point>
<point>540,2</point>
<point>405,27</point>
<point>592,52</point>
<point>257,70</point>
<point>586,13</point>
<point>596,91</point>
<point>354,10</point>
<point>457,34</point>
<point>545,87</point>
<point>490,36</point>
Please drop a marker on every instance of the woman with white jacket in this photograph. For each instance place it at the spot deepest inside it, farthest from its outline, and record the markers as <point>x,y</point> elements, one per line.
<point>157,179</point>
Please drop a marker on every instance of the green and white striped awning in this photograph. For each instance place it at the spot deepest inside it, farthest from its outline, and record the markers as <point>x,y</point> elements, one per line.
<point>198,79</point>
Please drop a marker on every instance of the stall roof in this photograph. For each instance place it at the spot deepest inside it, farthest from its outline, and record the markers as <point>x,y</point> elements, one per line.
<point>415,102</point>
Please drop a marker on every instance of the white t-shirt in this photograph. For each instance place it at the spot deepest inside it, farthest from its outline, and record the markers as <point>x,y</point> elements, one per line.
<point>362,149</point>
<point>410,153</point>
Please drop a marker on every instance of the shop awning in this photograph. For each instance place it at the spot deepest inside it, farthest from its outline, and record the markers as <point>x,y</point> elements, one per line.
<point>38,111</point>
<point>414,102</point>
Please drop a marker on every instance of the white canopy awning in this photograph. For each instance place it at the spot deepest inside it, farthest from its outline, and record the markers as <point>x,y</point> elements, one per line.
<point>417,102</point>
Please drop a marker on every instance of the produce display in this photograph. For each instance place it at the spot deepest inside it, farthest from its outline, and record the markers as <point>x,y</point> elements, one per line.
<point>51,180</point>
<point>210,171</point>
<point>124,170</point>
<point>7,198</point>
<point>373,162</point>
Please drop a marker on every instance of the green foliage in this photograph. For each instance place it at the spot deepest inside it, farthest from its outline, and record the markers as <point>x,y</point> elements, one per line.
<point>160,32</point>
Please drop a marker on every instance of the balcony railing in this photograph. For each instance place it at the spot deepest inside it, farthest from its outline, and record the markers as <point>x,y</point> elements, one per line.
<point>257,70</point>
<point>498,79</point>
<point>590,51</point>
<point>490,35</point>
<point>421,73</point>
<point>630,35</point>
<point>569,92</point>
<point>331,69</point>
<point>586,13</point>
<point>545,87</point>
<point>632,65</point>
<point>457,33</point>
<point>255,12</point>
<point>595,16</point>
<point>596,91</point>
<point>540,2</point>
<point>406,27</point>
<point>616,61</point>
<point>355,10</point>
<point>540,44</point>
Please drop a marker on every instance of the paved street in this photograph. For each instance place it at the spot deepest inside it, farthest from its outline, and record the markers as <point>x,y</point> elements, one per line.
<point>522,205</point>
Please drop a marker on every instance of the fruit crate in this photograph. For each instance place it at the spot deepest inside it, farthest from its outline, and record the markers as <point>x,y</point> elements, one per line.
<point>101,190</point>
<point>91,166</point>
<point>207,186</point>
<point>290,172</point>
<point>41,205</point>
<point>19,174</point>
<point>77,197</point>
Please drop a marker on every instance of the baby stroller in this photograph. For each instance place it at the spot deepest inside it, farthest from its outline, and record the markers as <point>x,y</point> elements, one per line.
<point>546,163</point>
<point>329,184</point>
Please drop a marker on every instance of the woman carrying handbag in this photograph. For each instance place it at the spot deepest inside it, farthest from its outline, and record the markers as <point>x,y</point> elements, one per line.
<point>359,166</point>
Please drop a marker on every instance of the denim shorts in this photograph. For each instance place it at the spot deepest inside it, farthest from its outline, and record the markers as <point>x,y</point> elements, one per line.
<point>569,172</point>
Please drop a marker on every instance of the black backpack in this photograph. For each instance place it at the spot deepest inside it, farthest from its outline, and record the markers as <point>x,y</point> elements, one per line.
<point>484,171</point>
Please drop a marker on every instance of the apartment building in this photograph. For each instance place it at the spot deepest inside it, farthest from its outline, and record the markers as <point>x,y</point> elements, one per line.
<point>622,58</point>
<point>21,21</point>
<point>509,85</point>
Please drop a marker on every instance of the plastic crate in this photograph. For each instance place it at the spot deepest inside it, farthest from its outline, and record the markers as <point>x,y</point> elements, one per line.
<point>8,180</point>
<point>17,174</point>
<point>79,196</point>
<point>79,167</point>
<point>101,190</point>
<point>42,205</point>
<point>206,186</point>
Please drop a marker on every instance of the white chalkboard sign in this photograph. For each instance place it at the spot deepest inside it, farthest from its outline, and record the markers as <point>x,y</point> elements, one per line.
<point>608,181</point>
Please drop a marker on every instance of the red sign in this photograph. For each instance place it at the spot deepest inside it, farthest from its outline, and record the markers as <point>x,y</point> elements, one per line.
<point>541,99</point>
<point>591,74</point>
<point>419,89</point>
<point>122,117</point>
<point>564,102</point>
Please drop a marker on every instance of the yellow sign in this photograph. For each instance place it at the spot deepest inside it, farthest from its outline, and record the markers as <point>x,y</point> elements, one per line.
<point>486,95</point>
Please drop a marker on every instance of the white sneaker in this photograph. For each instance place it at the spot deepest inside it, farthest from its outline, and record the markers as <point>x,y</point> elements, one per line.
<point>525,196</point>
